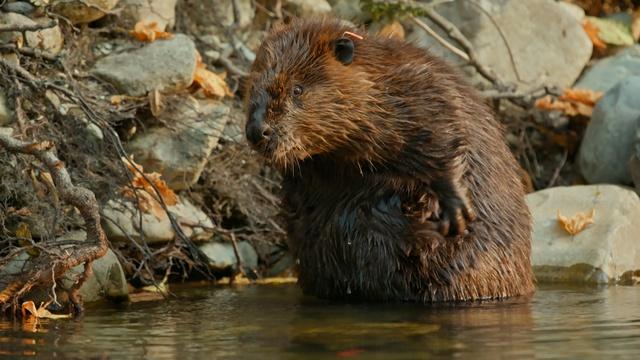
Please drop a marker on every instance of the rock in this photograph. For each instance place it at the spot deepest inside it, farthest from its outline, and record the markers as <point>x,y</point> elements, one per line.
<point>349,10</point>
<point>609,71</point>
<point>603,251</point>
<point>20,7</point>
<point>608,141</point>
<point>556,54</point>
<point>83,11</point>
<point>49,40</point>
<point>162,65</point>
<point>194,223</point>
<point>576,11</point>
<point>222,257</point>
<point>162,12</point>
<point>179,152</point>
<point>308,8</point>
<point>6,115</point>
<point>278,268</point>
<point>108,279</point>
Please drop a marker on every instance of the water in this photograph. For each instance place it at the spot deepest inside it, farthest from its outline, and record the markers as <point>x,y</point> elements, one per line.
<point>263,322</point>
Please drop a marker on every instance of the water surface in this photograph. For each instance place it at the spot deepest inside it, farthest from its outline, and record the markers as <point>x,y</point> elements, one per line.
<point>261,322</point>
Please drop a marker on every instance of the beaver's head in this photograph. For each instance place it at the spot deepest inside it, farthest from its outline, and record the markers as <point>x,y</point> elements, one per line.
<point>309,95</point>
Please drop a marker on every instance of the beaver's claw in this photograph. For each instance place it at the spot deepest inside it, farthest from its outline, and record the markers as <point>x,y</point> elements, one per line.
<point>456,212</point>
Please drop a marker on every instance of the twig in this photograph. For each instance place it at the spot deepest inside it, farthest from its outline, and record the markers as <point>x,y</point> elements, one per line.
<point>30,27</point>
<point>504,38</point>
<point>556,173</point>
<point>459,37</point>
<point>440,39</point>
<point>224,61</point>
<point>238,258</point>
<point>37,53</point>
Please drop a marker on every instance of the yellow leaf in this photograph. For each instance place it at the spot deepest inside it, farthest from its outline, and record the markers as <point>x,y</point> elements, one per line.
<point>142,186</point>
<point>572,102</point>
<point>41,312</point>
<point>593,33</point>
<point>213,84</point>
<point>578,222</point>
<point>149,31</point>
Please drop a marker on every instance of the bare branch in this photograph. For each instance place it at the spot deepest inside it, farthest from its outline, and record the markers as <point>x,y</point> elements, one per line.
<point>31,27</point>
<point>84,200</point>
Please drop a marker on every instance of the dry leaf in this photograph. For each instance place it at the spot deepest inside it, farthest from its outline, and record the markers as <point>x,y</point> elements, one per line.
<point>149,31</point>
<point>577,222</point>
<point>213,84</point>
<point>572,102</point>
<point>142,188</point>
<point>41,312</point>
<point>592,31</point>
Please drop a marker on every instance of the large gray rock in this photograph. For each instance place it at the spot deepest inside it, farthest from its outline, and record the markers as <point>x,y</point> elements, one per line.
<point>180,151</point>
<point>603,251</point>
<point>83,11</point>
<point>49,40</point>
<point>107,280</point>
<point>608,142</point>
<point>608,72</point>
<point>548,43</point>
<point>162,65</point>
<point>222,256</point>
<point>121,222</point>
<point>162,12</point>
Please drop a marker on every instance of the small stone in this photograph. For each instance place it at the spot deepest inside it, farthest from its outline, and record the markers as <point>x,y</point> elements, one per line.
<point>308,8</point>
<point>608,72</point>
<point>83,11</point>
<point>49,40</point>
<point>222,256</point>
<point>162,12</point>
<point>603,251</point>
<point>179,152</point>
<point>20,7</point>
<point>162,65</point>
<point>121,219</point>
<point>634,162</point>
<point>608,142</point>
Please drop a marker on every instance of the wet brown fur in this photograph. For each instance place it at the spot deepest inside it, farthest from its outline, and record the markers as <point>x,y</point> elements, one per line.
<point>364,151</point>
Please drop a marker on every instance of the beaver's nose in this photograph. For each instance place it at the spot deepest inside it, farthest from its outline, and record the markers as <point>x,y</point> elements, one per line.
<point>257,131</point>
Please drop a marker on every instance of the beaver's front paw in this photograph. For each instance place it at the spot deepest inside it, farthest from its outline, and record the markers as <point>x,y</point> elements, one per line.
<point>455,209</point>
<point>456,213</point>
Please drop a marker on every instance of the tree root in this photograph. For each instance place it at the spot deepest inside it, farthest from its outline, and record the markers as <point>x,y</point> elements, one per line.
<point>51,266</point>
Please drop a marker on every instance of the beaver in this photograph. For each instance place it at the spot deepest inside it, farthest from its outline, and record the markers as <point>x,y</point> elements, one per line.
<point>398,184</point>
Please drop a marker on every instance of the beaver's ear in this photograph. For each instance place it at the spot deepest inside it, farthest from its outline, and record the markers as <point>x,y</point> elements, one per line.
<point>343,50</point>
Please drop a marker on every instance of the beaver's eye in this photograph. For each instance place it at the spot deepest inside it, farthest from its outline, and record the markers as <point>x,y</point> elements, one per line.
<point>297,90</point>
